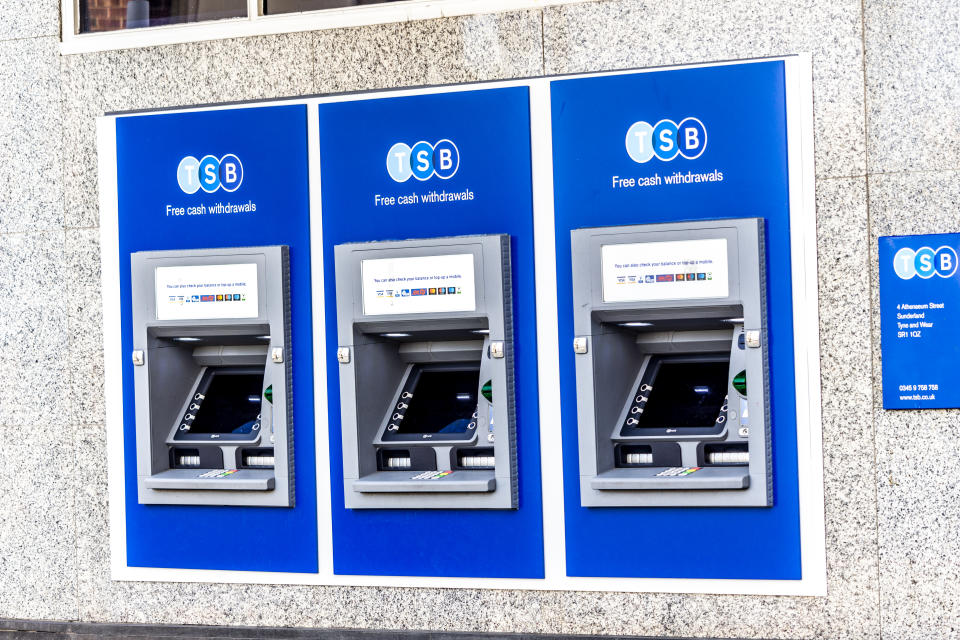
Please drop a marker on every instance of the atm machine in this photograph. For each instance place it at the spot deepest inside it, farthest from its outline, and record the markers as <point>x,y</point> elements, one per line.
<point>672,381</point>
<point>425,333</point>
<point>212,376</point>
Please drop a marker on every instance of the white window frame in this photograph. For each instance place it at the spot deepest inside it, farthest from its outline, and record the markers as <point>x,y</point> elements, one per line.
<point>256,24</point>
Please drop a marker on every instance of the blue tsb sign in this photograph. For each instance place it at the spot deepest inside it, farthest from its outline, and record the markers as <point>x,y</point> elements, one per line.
<point>919,301</point>
<point>210,174</point>
<point>666,139</point>
<point>925,262</point>
<point>423,160</point>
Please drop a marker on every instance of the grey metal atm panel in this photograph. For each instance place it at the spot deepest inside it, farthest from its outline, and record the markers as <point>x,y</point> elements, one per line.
<point>213,394</point>
<point>391,361</point>
<point>701,437</point>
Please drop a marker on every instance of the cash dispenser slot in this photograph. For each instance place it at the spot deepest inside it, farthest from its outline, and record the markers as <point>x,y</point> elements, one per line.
<point>654,454</point>
<point>195,458</point>
<point>425,353</point>
<point>724,454</point>
<point>212,377</point>
<point>670,322</point>
<point>261,458</point>
<point>185,458</point>
<point>474,458</point>
<point>406,460</point>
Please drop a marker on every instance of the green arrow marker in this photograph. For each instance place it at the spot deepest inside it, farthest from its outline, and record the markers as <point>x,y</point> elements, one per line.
<point>740,383</point>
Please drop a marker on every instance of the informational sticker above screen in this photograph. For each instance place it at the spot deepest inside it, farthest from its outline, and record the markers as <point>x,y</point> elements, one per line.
<point>207,292</point>
<point>424,284</point>
<point>676,270</point>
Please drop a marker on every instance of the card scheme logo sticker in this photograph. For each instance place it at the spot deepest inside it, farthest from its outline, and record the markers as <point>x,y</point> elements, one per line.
<point>666,140</point>
<point>210,174</point>
<point>423,160</point>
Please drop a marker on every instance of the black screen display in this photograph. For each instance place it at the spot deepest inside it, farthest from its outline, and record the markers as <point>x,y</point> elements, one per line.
<point>443,402</point>
<point>685,395</point>
<point>231,405</point>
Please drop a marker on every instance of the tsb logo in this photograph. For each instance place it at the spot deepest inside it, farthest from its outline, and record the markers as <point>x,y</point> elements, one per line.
<point>925,262</point>
<point>423,160</point>
<point>666,139</point>
<point>210,174</point>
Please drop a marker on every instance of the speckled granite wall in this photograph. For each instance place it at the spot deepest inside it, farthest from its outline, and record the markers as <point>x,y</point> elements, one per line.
<point>38,536</point>
<point>893,517</point>
<point>913,145</point>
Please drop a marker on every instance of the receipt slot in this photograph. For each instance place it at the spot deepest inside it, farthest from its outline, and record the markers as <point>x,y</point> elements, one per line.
<point>211,336</point>
<point>425,354</point>
<point>671,364</point>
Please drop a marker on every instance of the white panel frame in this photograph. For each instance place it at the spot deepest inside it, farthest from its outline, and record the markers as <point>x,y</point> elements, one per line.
<point>799,99</point>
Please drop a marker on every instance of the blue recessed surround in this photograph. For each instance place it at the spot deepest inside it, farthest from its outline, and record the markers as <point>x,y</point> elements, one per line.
<point>919,298</point>
<point>260,197</point>
<point>719,151</point>
<point>479,183</point>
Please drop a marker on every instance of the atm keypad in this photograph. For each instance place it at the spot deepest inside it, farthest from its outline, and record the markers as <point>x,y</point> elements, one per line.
<point>218,473</point>
<point>431,475</point>
<point>677,472</point>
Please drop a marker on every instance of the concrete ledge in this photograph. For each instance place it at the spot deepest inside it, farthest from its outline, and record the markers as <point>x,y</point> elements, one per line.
<point>49,630</point>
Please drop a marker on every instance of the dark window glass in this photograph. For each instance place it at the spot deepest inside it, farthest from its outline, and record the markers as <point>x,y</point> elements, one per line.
<point>113,15</point>
<point>443,402</point>
<point>231,405</point>
<point>289,6</point>
<point>685,394</point>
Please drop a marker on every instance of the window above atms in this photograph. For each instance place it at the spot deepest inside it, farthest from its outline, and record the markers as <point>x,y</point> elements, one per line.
<point>101,25</point>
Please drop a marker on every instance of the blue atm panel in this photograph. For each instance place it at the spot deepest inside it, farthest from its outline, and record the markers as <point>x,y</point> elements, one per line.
<point>216,180</point>
<point>436,166</point>
<point>673,146</point>
<point>918,297</point>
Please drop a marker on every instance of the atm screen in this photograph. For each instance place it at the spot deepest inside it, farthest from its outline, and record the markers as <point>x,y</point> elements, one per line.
<point>231,403</point>
<point>685,394</point>
<point>443,402</point>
